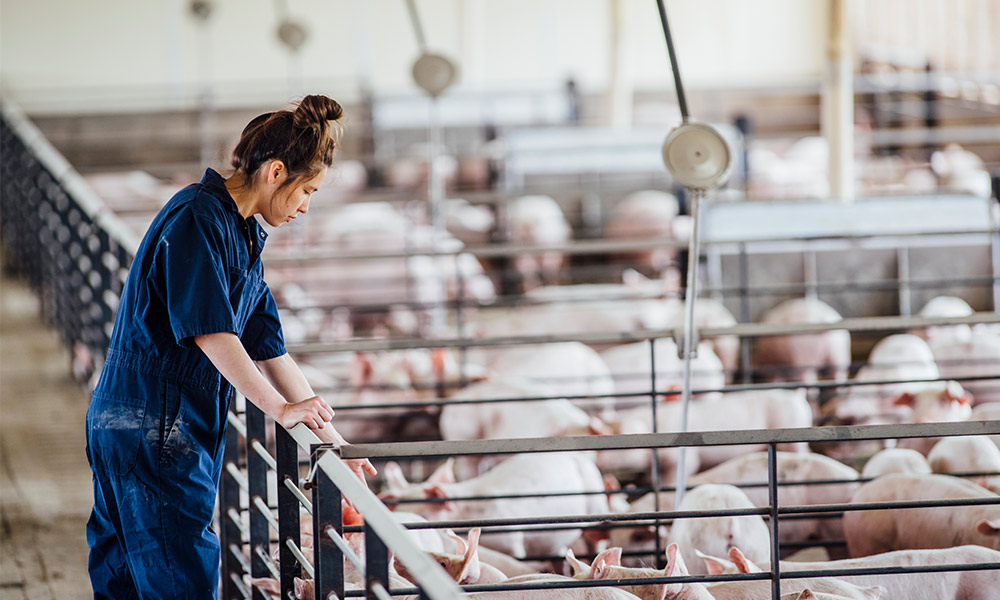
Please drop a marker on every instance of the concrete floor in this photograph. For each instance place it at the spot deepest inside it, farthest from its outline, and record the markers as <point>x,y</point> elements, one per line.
<point>45,484</point>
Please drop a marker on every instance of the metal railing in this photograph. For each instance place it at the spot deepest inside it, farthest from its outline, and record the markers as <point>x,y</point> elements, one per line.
<point>331,481</point>
<point>58,234</point>
<point>244,488</point>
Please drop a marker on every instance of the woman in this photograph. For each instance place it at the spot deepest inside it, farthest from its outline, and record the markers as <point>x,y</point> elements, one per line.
<point>196,317</point>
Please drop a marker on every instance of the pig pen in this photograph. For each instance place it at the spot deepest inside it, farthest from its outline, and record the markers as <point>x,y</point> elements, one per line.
<point>465,348</point>
<point>259,515</point>
<point>659,514</point>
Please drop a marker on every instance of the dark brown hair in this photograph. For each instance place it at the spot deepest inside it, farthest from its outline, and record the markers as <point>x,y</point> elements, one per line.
<point>303,138</point>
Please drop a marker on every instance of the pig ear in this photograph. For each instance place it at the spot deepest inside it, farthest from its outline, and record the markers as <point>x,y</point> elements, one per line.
<point>443,474</point>
<point>361,370</point>
<point>673,393</point>
<point>875,592</point>
<point>470,561</point>
<point>715,566</point>
<point>575,564</point>
<point>300,586</point>
<point>806,595</point>
<point>440,362</point>
<point>989,527</point>
<point>905,399</point>
<point>675,563</point>
<point>633,279</point>
<point>598,427</point>
<point>436,491</point>
<point>742,563</point>
<point>460,545</point>
<point>612,557</point>
<point>394,478</point>
<point>953,392</point>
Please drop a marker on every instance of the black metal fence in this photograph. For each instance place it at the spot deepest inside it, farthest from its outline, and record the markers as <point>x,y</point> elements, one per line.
<point>59,236</point>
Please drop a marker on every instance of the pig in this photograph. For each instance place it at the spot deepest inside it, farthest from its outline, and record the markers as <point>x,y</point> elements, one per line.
<point>607,565</point>
<point>583,308</point>
<point>537,221</point>
<point>645,214</point>
<point>708,313</point>
<point>590,593</point>
<point>820,588</point>
<point>871,532</point>
<point>715,535</point>
<point>667,311</point>
<point>470,223</point>
<point>753,409</point>
<point>941,402</point>
<point>904,357</point>
<point>629,367</point>
<point>947,585</point>
<point>945,306</point>
<point>895,460</point>
<point>802,357</point>
<point>968,454</point>
<point>565,369</point>
<point>989,411</point>
<point>977,356</point>
<point>465,567</point>
<point>522,474</point>
<point>752,469</point>
<point>505,420</point>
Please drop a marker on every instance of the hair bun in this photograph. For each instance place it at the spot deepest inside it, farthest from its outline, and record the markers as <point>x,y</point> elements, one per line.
<point>316,110</point>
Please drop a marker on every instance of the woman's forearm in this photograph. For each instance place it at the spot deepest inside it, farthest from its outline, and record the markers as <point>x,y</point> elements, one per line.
<point>230,358</point>
<point>286,377</point>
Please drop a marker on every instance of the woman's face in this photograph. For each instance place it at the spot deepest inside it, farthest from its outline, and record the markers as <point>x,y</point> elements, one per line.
<point>287,202</point>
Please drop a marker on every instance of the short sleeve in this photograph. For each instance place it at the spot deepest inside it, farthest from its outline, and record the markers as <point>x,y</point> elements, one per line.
<point>191,277</point>
<point>262,337</point>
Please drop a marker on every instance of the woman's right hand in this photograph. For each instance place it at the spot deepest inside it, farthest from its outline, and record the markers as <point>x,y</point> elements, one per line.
<point>314,412</point>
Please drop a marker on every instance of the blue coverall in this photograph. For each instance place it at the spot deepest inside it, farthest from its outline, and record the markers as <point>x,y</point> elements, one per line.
<point>157,419</point>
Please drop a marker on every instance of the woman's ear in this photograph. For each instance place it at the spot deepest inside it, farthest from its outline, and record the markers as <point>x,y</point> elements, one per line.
<point>275,171</point>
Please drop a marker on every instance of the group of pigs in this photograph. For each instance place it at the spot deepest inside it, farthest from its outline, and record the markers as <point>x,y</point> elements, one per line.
<point>921,537</point>
<point>571,389</point>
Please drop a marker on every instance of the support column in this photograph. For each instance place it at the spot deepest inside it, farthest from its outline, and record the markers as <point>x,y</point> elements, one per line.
<point>838,102</point>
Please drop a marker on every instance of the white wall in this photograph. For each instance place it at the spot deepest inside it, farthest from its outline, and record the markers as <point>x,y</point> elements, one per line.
<point>83,55</point>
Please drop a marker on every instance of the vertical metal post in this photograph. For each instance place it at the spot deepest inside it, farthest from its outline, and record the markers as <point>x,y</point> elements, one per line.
<point>744,270</point>
<point>376,561</point>
<point>811,273</point>
<point>463,354</point>
<point>328,560</point>
<point>257,480</point>
<point>996,269</point>
<point>689,346</point>
<point>903,280</point>
<point>655,473</point>
<point>772,494</point>
<point>288,507</point>
<point>229,532</point>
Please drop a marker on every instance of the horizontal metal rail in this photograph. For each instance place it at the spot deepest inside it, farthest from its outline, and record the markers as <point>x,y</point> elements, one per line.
<point>514,301</point>
<point>639,491</point>
<point>840,433</point>
<point>854,324</point>
<point>583,247</point>
<point>819,385</point>
<point>638,519</point>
